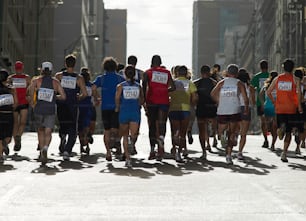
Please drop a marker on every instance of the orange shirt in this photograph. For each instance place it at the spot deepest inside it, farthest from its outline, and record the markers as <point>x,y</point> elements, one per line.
<point>286,95</point>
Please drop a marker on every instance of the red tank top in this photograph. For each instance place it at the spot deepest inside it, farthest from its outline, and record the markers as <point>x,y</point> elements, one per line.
<point>286,95</point>
<point>20,83</point>
<point>157,92</point>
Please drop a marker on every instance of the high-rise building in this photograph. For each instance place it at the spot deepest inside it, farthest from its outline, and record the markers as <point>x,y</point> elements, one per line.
<point>210,21</point>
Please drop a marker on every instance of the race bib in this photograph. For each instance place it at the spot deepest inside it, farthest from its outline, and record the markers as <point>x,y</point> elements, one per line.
<point>89,91</point>
<point>159,77</point>
<point>68,82</point>
<point>229,91</point>
<point>182,85</point>
<point>45,94</point>
<point>19,82</point>
<point>262,82</point>
<point>284,86</point>
<point>6,99</point>
<point>130,92</point>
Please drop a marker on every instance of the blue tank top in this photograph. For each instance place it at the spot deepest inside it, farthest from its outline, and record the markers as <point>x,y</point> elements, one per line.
<point>269,109</point>
<point>108,83</point>
<point>87,100</point>
<point>46,97</point>
<point>69,84</point>
<point>129,101</point>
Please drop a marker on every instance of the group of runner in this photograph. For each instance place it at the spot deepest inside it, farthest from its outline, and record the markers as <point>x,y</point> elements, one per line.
<point>220,102</point>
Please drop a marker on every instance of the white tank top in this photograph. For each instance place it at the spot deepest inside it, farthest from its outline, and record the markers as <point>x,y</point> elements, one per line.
<point>229,102</point>
<point>247,88</point>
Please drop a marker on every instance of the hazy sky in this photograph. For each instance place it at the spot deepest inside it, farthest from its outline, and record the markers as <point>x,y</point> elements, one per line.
<point>161,27</point>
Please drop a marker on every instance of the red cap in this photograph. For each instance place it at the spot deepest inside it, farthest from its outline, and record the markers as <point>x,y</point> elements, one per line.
<point>18,66</point>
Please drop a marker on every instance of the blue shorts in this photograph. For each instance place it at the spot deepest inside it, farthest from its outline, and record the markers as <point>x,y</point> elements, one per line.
<point>126,117</point>
<point>178,115</point>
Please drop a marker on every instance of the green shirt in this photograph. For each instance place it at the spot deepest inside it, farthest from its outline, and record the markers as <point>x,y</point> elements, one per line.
<point>258,82</point>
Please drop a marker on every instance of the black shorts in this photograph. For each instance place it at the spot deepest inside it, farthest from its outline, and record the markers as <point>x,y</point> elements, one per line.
<point>21,107</point>
<point>110,119</point>
<point>206,111</point>
<point>260,111</point>
<point>6,125</point>
<point>224,119</point>
<point>290,121</point>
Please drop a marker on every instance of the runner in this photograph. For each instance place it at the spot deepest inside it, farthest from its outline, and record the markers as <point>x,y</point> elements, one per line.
<point>179,112</point>
<point>129,98</point>
<point>157,83</point>
<point>45,88</point>
<point>258,82</point>
<point>287,103</point>
<point>108,82</point>
<point>226,94</point>
<point>269,109</point>
<point>68,110</point>
<point>244,77</point>
<point>8,101</point>
<point>206,110</point>
<point>20,82</point>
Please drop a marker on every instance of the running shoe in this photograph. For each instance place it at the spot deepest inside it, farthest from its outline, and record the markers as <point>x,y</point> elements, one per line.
<point>6,149</point>
<point>190,138</point>
<point>152,156</point>
<point>173,151</point>
<point>17,145</point>
<point>265,144</point>
<point>272,147</point>
<point>108,156</point>
<point>87,150</point>
<point>178,157</point>
<point>229,160</point>
<point>160,153</point>
<point>240,156</point>
<point>185,152</point>
<point>66,156</point>
<point>43,156</point>
<point>128,163</point>
<point>298,151</point>
<point>284,157</point>
<point>204,156</point>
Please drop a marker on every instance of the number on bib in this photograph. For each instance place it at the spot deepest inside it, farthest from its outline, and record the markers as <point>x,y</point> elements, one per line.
<point>45,94</point>
<point>19,83</point>
<point>284,86</point>
<point>159,77</point>
<point>130,92</point>
<point>6,99</point>
<point>68,82</point>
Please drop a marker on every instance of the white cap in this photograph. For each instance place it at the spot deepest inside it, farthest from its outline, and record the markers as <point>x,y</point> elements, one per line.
<point>47,64</point>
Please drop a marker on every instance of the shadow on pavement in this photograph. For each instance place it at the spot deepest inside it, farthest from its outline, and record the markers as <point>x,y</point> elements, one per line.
<point>48,170</point>
<point>130,172</point>
<point>75,165</point>
<point>18,158</point>
<point>91,159</point>
<point>297,166</point>
<point>6,167</point>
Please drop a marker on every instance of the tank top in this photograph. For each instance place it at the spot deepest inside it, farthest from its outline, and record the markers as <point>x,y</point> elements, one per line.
<point>229,102</point>
<point>286,95</point>
<point>46,97</point>
<point>157,92</point>
<point>6,99</point>
<point>20,84</point>
<point>269,109</point>
<point>69,84</point>
<point>204,87</point>
<point>129,101</point>
<point>247,88</point>
<point>87,100</point>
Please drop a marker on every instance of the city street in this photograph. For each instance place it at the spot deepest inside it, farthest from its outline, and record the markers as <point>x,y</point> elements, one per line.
<point>90,188</point>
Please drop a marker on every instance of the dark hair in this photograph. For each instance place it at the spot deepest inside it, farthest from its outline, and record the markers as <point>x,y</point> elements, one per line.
<point>129,72</point>
<point>205,69</point>
<point>70,61</point>
<point>109,64</point>
<point>156,61</point>
<point>243,76</point>
<point>288,65</point>
<point>299,73</point>
<point>120,67</point>
<point>132,59</point>
<point>269,80</point>
<point>85,73</point>
<point>232,69</point>
<point>3,76</point>
<point>263,64</point>
<point>182,70</point>
<point>217,66</point>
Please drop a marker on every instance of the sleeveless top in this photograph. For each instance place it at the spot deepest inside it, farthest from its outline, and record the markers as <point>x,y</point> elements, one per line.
<point>46,97</point>
<point>129,101</point>
<point>286,95</point>
<point>247,88</point>
<point>204,87</point>
<point>6,99</point>
<point>269,109</point>
<point>69,84</point>
<point>19,82</point>
<point>229,102</point>
<point>86,102</point>
<point>157,92</point>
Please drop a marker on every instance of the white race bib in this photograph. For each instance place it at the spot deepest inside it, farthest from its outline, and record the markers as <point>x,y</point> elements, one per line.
<point>229,91</point>
<point>68,82</point>
<point>284,86</point>
<point>89,91</point>
<point>159,77</point>
<point>130,92</point>
<point>182,85</point>
<point>6,99</point>
<point>45,94</point>
<point>19,82</point>
<point>262,82</point>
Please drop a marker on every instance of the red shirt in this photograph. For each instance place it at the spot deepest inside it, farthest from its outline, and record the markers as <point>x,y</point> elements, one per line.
<point>20,83</point>
<point>157,92</point>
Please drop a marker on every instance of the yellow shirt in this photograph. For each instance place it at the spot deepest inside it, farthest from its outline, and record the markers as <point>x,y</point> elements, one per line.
<point>180,98</point>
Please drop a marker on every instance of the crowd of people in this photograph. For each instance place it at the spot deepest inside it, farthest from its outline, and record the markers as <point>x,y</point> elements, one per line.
<point>219,101</point>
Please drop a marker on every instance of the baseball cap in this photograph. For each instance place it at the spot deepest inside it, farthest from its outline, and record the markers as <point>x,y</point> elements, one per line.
<point>46,65</point>
<point>232,69</point>
<point>18,66</point>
